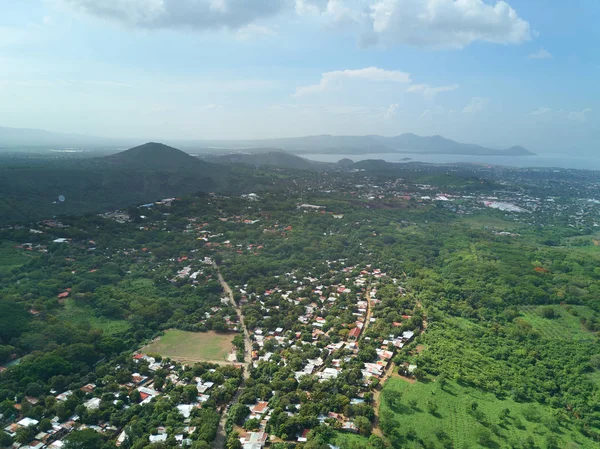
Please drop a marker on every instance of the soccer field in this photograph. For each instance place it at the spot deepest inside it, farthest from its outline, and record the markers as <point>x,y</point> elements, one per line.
<point>192,346</point>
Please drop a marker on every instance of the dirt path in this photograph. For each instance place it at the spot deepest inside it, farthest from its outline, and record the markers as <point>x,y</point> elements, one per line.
<point>221,439</point>
<point>420,306</point>
<point>389,372</point>
<point>369,311</point>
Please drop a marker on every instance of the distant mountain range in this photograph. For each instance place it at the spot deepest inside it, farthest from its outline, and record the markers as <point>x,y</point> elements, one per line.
<point>18,137</point>
<point>324,144</point>
<point>373,144</point>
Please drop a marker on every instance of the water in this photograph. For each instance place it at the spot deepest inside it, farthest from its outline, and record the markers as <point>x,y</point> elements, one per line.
<point>550,160</point>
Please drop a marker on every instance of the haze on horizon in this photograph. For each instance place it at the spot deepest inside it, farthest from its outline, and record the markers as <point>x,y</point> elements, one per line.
<point>495,73</point>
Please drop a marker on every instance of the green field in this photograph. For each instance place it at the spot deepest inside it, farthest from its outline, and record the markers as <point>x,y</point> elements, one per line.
<point>566,324</point>
<point>351,441</point>
<point>11,257</point>
<point>191,346</point>
<point>406,418</point>
<point>84,315</point>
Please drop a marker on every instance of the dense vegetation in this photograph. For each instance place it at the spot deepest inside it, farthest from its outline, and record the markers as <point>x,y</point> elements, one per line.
<point>507,304</point>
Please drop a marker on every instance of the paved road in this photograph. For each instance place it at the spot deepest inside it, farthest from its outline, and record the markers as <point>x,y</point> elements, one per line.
<point>221,435</point>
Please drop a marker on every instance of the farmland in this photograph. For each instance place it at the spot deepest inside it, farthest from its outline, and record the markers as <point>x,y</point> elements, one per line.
<point>425,415</point>
<point>565,322</point>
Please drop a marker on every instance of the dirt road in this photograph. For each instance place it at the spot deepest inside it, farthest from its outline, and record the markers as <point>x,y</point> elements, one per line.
<point>221,439</point>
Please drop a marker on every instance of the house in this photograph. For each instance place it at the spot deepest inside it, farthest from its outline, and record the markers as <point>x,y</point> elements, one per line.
<point>89,388</point>
<point>186,409</point>
<point>254,440</point>
<point>354,333</point>
<point>92,404</point>
<point>303,438</point>
<point>27,422</point>
<point>161,438</point>
<point>329,373</point>
<point>259,408</point>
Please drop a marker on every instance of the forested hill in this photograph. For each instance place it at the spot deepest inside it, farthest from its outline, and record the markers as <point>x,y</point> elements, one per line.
<point>145,173</point>
<point>157,156</point>
<point>273,158</point>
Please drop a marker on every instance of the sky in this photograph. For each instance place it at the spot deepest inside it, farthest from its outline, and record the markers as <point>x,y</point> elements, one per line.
<point>495,73</point>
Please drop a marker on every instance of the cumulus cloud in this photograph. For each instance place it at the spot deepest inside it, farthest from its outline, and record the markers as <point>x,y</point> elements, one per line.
<point>252,31</point>
<point>193,14</point>
<point>477,104</point>
<point>542,53</point>
<point>446,23</point>
<point>430,92</point>
<point>331,80</point>
<point>422,23</point>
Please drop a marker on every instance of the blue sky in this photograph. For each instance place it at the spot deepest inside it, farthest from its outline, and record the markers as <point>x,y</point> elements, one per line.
<point>520,72</point>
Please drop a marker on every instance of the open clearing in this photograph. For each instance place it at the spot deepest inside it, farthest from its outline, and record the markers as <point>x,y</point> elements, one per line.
<point>464,429</point>
<point>84,315</point>
<point>192,347</point>
<point>11,257</point>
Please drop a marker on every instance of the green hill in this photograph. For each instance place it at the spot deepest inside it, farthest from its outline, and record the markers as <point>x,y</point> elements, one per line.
<point>141,174</point>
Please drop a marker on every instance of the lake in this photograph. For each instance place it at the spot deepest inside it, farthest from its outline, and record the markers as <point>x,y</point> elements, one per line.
<point>553,160</point>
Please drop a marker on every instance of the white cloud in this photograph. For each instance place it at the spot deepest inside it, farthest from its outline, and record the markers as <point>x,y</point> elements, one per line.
<point>541,111</point>
<point>193,14</point>
<point>578,115</point>
<point>542,53</point>
<point>422,23</point>
<point>430,92</point>
<point>391,111</point>
<point>252,31</point>
<point>331,80</point>
<point>562,114</point>
<point>446,23</point>
<point>308,7</point>
<point>207,107</point>
<point>477,104</point>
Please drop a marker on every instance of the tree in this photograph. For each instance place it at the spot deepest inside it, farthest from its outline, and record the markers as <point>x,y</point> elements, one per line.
<point>5,440</point>
<point>13,320</point>
<point>238,413</point>
<point>234,441</point>
<point>549,312</point>
<point>252,424</point>
<point>45,425</point>
<point>432,407</point>
<point>484,437</point>
<point>84,439</point>
<point>200,445</point>
<point>25,434</point>
<point>364,425</point>
<point>190,393</point>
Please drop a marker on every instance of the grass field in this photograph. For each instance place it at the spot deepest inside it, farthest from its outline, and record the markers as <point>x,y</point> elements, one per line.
<point>191,346</point>
<point>565,326</point>
<point>11,257</point>
<point>351,441</point>
<point>78,314</point>
<point>526,420</point>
